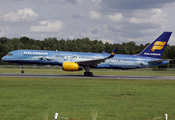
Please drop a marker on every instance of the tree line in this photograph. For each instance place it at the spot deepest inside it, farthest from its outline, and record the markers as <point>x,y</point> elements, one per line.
<point>77,45</point>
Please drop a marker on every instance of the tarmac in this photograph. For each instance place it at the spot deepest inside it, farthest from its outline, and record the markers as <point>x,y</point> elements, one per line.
<point>130,77</point>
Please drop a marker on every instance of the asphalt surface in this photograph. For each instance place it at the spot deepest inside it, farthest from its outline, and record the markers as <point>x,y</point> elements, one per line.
<point>132,77</point>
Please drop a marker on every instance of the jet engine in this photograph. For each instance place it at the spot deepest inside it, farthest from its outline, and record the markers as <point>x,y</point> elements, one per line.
<point>70,66</point>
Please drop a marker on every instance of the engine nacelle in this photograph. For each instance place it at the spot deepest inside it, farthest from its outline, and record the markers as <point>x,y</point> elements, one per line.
<point>70,66</point>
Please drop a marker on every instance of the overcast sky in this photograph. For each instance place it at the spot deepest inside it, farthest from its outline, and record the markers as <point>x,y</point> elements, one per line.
<point>113,21</point>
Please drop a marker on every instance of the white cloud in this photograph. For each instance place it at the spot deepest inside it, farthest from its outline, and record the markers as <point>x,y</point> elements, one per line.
<point>2,33</point>
<point>136,20</point>
<point>94,15</point>
<point>22,15</point>
<point>115,17</point>
<point>97,1</point>
<point>47,27</point>
<point>158,17</point>
<point>71,37</point>
<point>107,40</point>
<point>26,35</point>
<point>92,32</point>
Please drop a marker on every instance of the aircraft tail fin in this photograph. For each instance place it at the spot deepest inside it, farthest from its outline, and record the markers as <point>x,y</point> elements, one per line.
<point>156,48</point>
<point>113,53</point>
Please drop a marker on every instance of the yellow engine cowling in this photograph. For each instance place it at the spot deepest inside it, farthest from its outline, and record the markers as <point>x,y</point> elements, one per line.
<point>70,66</point>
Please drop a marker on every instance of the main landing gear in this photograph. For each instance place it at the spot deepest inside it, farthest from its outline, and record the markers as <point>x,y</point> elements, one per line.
<point>87,73</point>
<point>22,71</point>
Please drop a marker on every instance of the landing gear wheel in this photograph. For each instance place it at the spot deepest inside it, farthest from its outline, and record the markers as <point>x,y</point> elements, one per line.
<point>22,71</point>
<point>88,73</point>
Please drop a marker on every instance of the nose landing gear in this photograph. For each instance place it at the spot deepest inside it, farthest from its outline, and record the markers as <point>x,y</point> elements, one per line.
<point>22,71</point>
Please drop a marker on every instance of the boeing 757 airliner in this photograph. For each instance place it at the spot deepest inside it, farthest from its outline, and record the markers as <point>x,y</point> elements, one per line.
<point>75,61</point>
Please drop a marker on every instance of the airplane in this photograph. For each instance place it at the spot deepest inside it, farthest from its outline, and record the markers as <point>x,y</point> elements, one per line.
<point>75,61</point>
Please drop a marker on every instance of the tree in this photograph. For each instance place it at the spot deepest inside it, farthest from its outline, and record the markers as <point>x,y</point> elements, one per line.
<point>3,40</point>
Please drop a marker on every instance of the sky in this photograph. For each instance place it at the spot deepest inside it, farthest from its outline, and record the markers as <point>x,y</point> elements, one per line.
<point>112,21</point>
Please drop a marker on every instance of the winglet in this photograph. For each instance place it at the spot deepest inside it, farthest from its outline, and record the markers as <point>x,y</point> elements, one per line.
<point>103,52</point>
<point>113,53</point>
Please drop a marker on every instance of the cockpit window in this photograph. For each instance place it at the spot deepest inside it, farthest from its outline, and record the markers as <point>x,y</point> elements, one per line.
<point>9,54</point>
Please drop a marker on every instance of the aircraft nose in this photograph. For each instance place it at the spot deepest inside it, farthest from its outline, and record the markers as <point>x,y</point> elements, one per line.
<point>3,58</point>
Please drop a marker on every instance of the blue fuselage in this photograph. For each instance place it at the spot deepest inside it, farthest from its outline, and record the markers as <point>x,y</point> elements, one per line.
<point>119,61</point>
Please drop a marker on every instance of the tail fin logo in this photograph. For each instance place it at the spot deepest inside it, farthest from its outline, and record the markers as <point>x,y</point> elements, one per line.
<point>158,45</point>
<point>113,54</point>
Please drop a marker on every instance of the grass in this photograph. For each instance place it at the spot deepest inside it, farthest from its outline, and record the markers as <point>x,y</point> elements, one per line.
<point>42,70</point>
<point>87,99</point>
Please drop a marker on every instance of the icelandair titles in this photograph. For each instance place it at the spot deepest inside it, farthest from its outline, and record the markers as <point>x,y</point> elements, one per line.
<point>43,53</point>
<point>156,54</point>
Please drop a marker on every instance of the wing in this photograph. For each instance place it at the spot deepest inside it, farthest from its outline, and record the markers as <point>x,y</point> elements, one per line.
<point>96,61</point>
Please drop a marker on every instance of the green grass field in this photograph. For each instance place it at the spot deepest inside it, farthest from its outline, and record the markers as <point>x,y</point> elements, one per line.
<point>83,99</point>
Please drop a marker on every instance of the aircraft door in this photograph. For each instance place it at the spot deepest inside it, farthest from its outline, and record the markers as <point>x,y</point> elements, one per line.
<point>53,54</point>
<point>20,55</point>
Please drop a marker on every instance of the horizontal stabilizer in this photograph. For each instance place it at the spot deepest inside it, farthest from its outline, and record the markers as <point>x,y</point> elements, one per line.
<point>157,61</point>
